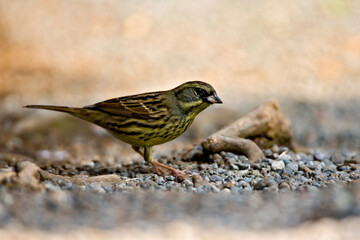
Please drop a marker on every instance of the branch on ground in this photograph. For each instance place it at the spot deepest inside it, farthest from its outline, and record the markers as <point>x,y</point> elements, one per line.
<point>260,128</point>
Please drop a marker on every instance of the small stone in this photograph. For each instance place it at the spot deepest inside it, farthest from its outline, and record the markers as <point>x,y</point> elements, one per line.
<point>244,159</point>
<point>230,155</point>
<point>248,189</point>
<point>261,184</point>
<point>50,186</point>
<point>195,153</point>
<point>307,170</point>
<point>231,161</point>
<point>303,157</point>
<point>247,179</point>
<point>235,189</point>
<point>256,173</point>
<point>216,158</point>
<point>338,159</point>
<point>277,165</point>
<point>242,173</point>
<point>283,149</point>
<point>272,187</point>
<point>215,178</point>
<point>96,188</point>
<point>284,185</point>
<point>320,155</point>
<point>204,189</point>
<point>220,170</point>
<point>288,171</point>
<point>214,166</point>
<point>108,189</point>
<point>311,188</point>
<point>89,164</point>
<point>320,177</point>
<point>344,168</point>
<point>275,148</point>
<point>170,178</point>
<point>255,165</point>
<point>243,184</point>
<point>316,184</point>
<point>286,161</point>
<point>81,187</point>
<point>187,183</point>
<point>293,166</point>
<point>204,166</point>
<point>284,156</point>
<point>264,171</point>
<point>214,189</point>
<point>28,173</point>
<point>242,165</point>
<point>343,176</point>
<point>268,153</point>
<point>330,167</point>
<point>234,167</point>
<point>228,185</point>
<point>311,165</point>
<point>196,178</point>
<point>226,190</point>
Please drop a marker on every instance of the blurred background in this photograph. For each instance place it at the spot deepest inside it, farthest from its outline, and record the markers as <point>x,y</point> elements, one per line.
<point>306,54</point>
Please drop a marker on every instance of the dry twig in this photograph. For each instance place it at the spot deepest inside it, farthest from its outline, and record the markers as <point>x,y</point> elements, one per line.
<point>260,128</point>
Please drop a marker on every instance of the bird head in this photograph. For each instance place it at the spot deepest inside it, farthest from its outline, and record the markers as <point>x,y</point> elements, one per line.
<point>195,96</point>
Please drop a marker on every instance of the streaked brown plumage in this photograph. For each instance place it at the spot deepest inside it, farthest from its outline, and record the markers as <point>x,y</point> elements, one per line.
<point>147,119</point>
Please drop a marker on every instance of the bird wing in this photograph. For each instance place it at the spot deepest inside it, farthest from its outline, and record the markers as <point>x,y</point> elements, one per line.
<point>143,106</point>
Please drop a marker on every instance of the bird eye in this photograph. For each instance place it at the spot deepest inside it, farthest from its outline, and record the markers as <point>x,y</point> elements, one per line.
<point>201,92</point>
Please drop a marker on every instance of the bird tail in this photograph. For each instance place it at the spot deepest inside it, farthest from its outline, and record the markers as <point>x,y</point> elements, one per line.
<point>71,110</point>
<point>86,114</point>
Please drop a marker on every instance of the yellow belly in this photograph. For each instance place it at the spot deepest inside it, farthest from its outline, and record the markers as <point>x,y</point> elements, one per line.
<point>151,137</point>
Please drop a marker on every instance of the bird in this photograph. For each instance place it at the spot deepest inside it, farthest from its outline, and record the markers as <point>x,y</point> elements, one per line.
<point>147,119</point>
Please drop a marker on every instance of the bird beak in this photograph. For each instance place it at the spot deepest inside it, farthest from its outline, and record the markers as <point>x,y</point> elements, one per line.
<point>213,99</point>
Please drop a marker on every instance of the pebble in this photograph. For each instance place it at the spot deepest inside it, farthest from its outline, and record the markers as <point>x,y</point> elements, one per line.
<point>195,153</point>
<point>261,184</point>
<point>277,165</point>
<point>288,170</point>
<point>242,173</point>
<point>228,185</point>
<point>197,178</point>
<point>284,185</point>
<point>320,155</point>
<point>215,178</point>
<point>338,159</point>
<point>294,166</point>
<point>234,167</point>
<point>268,153</point>
<point>242,165</point>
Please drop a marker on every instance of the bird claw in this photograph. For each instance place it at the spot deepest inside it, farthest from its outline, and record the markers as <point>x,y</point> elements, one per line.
<point>159,169</point>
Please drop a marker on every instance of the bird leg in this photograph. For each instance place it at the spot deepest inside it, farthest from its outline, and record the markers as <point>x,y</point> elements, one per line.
<point>138,150</point>
<point>148,157</point>
<point>158,170</point>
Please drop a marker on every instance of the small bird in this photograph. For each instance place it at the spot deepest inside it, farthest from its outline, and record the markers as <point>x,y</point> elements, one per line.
<point>147,119</point>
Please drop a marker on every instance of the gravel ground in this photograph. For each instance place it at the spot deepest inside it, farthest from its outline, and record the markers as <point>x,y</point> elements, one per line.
<point>226,172</point>
<point>225,189</point>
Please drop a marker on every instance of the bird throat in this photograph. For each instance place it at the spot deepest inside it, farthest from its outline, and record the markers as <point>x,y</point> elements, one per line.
<point>193,108</point>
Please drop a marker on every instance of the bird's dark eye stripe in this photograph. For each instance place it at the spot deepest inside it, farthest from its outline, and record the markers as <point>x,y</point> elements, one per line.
<point>201,92</point>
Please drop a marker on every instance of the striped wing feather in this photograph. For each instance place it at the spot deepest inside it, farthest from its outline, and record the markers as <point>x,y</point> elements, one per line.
<point>148,106</point>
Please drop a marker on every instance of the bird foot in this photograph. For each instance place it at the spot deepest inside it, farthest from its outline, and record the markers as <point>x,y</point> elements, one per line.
<point>159,169</point>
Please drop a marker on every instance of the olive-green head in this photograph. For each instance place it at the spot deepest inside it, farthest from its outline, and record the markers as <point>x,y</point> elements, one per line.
<point>195,96</point>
